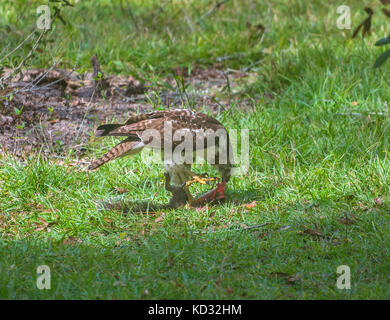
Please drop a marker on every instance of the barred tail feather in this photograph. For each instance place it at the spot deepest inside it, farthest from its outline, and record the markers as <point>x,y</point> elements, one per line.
<point>122,149</point>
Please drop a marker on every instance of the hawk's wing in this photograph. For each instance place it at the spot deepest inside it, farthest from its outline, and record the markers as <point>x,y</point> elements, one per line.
<point>134,127</point>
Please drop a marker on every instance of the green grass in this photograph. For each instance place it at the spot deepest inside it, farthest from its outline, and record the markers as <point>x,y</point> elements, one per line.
<point>309,166</point>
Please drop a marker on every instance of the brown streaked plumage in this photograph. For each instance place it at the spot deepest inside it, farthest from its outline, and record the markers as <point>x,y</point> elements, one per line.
<point>200,126</point>
<point>120,150</point>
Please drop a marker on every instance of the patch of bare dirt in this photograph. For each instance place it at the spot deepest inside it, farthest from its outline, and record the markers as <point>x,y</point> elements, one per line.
<point>54,110</point>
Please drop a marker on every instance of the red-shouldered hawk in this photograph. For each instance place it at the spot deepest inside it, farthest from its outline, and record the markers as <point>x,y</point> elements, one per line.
<point>162,130</point>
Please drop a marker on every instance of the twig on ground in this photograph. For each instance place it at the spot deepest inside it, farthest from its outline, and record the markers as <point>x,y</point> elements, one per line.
<point>17,47</point>
<point>232,56</point>
<point>255,226</point>
<point>96,70</point>
<point>226,75</point>
<point>17,69</point>
<point>98,76</point>
<point>189,22</point>
<point>357,114</point>
<point>217,5</point>
<point>32,87</point>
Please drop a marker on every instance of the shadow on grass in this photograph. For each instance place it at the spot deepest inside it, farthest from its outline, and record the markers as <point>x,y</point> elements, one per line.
<point>126,205</point>
<point>238,197</point>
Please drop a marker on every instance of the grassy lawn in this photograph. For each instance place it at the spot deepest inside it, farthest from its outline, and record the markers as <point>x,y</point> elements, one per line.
<point>319,161</point>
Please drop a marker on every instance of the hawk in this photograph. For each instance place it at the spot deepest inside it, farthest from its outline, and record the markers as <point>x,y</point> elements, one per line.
<point>179,134</point>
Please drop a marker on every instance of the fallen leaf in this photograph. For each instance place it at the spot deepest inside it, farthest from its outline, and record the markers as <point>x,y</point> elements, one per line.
<point>160,218</point>
<point>348,220</point>
<point>354,103</point>
<point>121,190</point>
<point>336,242</point>
<point>72,241</point>
<point>178,284</point>
<point>5,120</point>
<point>279,275</point>
<point>290,279</point>
<point>200,209</point>
<point>362,206</point>
<point>294,279</point>
<point>119,283</point>
<point>312,233</point>
<point>229,290</point>
<point>43,221</point>
<point>43,226</point>
<point>224,226</point>
<point>250,205</point>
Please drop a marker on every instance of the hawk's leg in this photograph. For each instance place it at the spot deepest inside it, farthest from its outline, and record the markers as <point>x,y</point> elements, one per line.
<point>179,196</point>
<point>187,192</point>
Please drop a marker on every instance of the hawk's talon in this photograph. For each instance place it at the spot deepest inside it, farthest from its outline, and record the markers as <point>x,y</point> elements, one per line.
<point>208,197</point>
<point>199,179</point>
